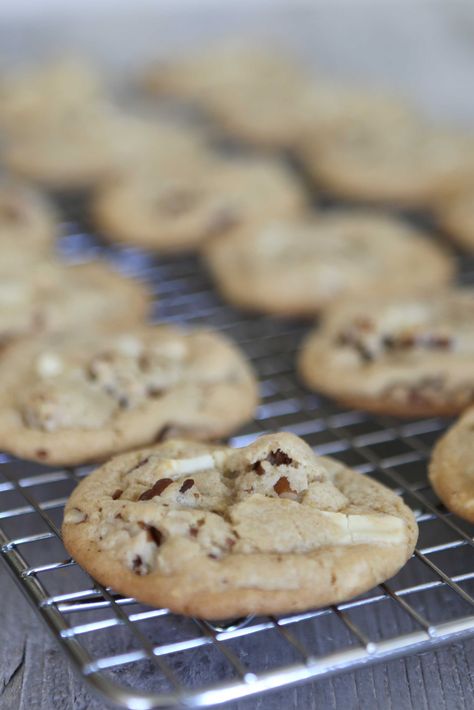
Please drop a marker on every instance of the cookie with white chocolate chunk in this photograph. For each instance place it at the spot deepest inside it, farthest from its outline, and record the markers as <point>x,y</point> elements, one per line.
<point>72,398</point>
<point>300,264</point>
<point>51,296</point>
<point>405,356</point>
<point>218,532</point>
<point>169,209</point>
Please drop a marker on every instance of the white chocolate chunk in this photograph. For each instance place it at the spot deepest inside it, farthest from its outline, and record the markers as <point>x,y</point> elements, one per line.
<point>373,529</point>
<point>74,516</point>
<point>129,345</point>
<point>191,465</point>
<point>49,365</point>
<point>12,293</point>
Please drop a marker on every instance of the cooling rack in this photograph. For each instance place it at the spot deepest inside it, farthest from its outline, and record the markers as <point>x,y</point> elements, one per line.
<point>138,657</point>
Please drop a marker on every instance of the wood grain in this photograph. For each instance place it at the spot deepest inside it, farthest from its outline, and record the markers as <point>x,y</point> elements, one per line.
<point>34,675</point>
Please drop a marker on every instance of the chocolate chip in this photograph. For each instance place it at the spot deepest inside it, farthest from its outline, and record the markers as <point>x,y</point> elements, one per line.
<point>157,489</point>
<point>282,486</point>
<point>400,342</point>
<point>118,516</point>
<point>279,458</point>
<point>41,453</point>
<point>258,468</point>
<point>193,531</point>
<point>154,535</point>
<point>350,339</point>
<point>116,494</point>
<point>188,483</point>
<point>212,556</point>
<point>275,458</point>
<point>423,340</point>
<point>137,563</point>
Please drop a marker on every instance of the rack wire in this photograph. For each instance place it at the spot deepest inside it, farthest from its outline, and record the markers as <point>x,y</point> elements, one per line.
<point>139,657</point>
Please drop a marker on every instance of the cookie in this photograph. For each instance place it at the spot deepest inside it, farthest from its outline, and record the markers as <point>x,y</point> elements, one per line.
<point>72,150</point>
<point>451,469</point>
<point>72,398</point>
<point>172,210</point>
<point>405,356</point>
<point>28,96</point>
<point>28,225</point>
<point>254,93</point>
<point>455,215</point>
<point>397,160</point>
<point>219,532</point>
<point>52,297</point>
<point>298,265</point>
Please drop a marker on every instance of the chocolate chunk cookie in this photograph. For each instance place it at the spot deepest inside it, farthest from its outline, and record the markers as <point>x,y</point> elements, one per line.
<point>218,532</point>
<point>49,296</point>
<point>402,356</point>
<point>299,265</point>
<point>73,397</point>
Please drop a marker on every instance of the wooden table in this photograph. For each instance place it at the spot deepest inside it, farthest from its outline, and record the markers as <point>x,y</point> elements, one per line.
<point>35,675</point>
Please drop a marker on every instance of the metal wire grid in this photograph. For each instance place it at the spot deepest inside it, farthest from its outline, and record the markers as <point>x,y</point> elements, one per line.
<point>139,657</point>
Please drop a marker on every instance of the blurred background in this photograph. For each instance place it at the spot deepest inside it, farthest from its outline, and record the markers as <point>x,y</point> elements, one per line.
<point>425,48</point>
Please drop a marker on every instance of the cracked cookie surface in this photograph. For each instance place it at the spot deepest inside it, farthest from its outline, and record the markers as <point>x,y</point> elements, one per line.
<point>72,398</point>
<point>219,532</point>
<point>406,356</point>
<point>299,265</point>
<point>451,470</point>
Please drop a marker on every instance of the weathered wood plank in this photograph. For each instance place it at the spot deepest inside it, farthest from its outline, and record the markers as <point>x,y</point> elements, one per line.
<point>34,675</point>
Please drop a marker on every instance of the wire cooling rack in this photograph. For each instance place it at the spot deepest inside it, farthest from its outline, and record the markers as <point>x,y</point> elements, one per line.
<point>140,657</point>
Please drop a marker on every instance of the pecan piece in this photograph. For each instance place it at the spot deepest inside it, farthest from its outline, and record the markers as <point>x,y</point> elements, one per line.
<point>275,458</point>
<point>188,483</point>
<point>279,458</point>
<point>157,489</point>
<point>282,486</point>
<point>154,535</point>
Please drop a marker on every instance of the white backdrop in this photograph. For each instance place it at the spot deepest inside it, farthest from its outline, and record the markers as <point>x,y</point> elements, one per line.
<point>425,48</point>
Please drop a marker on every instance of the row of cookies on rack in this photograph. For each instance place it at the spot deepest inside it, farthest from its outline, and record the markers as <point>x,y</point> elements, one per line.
<point>63,126</point>
<point>82,374</point>
<point>198,528</point>
<point>179,509</point>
